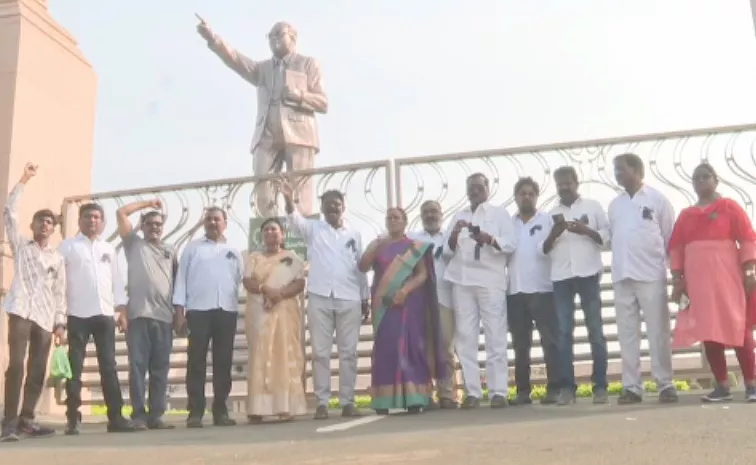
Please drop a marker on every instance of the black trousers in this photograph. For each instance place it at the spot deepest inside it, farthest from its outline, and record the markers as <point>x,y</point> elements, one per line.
<point>102,329</point>
<point>523,312</point>
<point>25,335</point>
<point>205,327</point>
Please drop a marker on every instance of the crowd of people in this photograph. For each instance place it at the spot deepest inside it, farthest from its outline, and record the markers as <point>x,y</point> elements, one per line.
<point>432,291</point>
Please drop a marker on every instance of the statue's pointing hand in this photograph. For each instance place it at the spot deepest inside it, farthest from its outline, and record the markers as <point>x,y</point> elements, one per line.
<point>203,29</point>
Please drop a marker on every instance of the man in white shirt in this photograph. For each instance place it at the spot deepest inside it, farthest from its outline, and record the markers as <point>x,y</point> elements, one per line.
<point>432,217</point>
<point>481,238</point>
<point>36,309</point>
<point>531,297</point>
<point>579,231</point>
<point>95,296</point>
<point>206,303</point>
<point>641,220</point>
<point>337,295</point>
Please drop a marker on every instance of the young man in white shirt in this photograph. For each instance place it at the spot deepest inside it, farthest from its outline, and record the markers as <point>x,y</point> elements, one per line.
<point>36,309</point>
<point>95,296</point>
<point>579,231</point>
<point>337,295</point>
<point>481,238</point>
<point>531,298</point>
<point>432,216</point>
<point>206,303</point>
<point>641,220</point>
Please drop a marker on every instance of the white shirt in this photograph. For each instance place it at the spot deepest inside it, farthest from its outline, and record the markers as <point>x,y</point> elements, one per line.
<point>640,229</point>
<point>529,267</point>
<point>575,255</point>
<point>208,276</point>
<point>441,256</point>
<point>38,291</point>
<point>491,269</point>
<point>334,254</point>
<point>94,285</point>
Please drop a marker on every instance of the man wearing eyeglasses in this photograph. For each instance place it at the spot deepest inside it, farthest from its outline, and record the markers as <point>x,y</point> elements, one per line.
<point>148,320</point>
<point>289,94</point>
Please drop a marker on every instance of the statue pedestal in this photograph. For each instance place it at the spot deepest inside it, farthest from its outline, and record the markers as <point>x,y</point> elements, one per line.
<point>47,116</point>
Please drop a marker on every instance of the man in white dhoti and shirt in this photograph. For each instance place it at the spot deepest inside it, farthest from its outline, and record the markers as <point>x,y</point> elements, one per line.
<point>432,217</point>
<point>337,295</point>
<point>482,238</point>
<point>641,220</point>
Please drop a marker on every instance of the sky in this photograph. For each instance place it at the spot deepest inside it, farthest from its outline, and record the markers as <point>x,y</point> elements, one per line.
<point>408,78</point>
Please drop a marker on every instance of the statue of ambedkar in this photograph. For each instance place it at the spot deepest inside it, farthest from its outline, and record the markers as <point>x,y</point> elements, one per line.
<point>289,94</point>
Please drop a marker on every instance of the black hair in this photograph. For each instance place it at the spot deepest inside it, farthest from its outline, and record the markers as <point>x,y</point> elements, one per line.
<point>400,210</point>
<point>333,193</point>
<point>633,161</point>
<point>479,175</point>
<point>280,225</point>
<point>707,166</point>
<point>566,171</point>
<point>88,207</point>
<point>527,181</point>
<point>214,209</point>
<point>44,214</point>
<point>152,214</point>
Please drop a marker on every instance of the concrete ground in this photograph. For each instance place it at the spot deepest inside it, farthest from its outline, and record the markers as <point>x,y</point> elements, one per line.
<point>584,434</point>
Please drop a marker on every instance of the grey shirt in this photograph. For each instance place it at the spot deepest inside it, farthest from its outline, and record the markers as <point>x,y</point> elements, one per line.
<point>151,273</point>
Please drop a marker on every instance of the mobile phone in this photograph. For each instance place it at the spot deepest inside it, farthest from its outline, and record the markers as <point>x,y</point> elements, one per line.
<point>558,218</point>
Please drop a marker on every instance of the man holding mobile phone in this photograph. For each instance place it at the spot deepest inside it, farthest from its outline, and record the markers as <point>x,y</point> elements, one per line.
<point>579,232</point>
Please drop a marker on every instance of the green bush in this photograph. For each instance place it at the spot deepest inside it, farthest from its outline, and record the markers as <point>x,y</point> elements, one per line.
<point>584,390</point>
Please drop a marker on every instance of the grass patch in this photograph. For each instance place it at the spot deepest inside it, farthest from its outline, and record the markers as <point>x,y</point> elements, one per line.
<point>584,390</point>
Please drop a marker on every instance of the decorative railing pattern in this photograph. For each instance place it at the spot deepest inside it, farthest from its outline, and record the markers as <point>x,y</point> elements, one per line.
<point>367,187</point>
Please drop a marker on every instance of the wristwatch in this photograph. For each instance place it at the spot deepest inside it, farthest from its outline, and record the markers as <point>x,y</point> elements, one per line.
<point>750,272</point>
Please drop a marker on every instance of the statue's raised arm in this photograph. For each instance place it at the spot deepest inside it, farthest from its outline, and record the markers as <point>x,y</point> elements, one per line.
<point>244,66</point>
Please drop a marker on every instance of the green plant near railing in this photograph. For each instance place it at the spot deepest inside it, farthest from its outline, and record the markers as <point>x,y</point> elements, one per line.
<point>538,392</point>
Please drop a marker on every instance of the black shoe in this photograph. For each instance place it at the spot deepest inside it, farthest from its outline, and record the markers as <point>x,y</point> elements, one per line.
<point>321,413</point>
<point>33,429</point>
<point>72,425</point>
<point>9,433</point>
<point>222,419</point>
<point>522,398</point>
<point>629,398</point>
<point>194,421</point>
<point>120,425</point>
<point>158,423</point>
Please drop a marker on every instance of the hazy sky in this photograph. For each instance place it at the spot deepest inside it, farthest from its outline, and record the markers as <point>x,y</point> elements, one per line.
<point>409,77</point>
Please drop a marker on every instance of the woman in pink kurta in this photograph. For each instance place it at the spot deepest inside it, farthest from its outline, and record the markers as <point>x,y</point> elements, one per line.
<point>712,254</point>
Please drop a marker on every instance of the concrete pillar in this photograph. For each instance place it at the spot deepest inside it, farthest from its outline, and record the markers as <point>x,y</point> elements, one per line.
<point>753,12</point>
<point>47,116</point>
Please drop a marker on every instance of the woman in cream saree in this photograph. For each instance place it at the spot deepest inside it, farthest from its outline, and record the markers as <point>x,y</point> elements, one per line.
<point>274,279</point>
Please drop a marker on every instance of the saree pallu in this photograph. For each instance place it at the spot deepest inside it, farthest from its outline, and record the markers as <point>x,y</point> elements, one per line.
<point>405,358</point>
<point>274,340</point>
<point>710,245</point>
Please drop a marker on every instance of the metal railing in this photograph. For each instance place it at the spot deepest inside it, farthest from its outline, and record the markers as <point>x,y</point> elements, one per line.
<point>370,188</point>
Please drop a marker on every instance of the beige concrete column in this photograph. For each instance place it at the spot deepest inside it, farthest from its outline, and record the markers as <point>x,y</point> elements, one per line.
<point>47,115</point>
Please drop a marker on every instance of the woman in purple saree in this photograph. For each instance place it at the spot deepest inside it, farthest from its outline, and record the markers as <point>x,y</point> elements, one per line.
<point>406,329</point>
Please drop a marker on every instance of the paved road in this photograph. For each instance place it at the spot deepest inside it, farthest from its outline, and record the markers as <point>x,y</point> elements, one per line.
<point>583,434</point>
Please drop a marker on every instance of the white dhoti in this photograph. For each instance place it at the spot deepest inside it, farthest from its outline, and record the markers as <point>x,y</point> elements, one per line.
<point>632,297</point>
<point>474,305</point>
<point>324,315</point>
